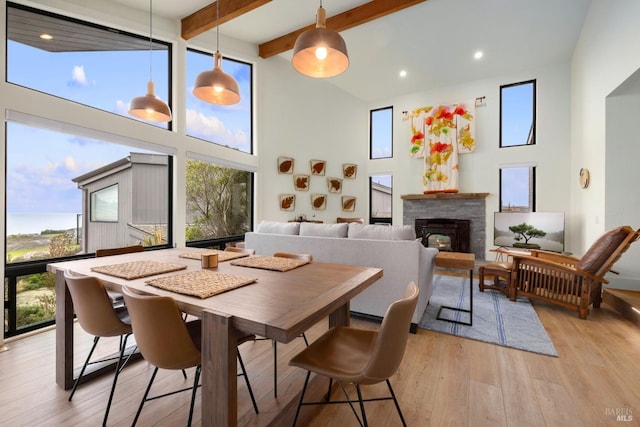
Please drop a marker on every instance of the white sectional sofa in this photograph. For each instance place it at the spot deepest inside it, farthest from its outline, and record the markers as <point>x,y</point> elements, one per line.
<point>392,248</point>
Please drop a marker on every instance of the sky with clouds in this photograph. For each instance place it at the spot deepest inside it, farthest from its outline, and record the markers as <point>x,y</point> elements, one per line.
<point>41,163</point>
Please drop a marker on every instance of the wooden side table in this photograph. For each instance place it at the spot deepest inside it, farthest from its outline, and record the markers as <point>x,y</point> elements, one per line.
<point>460,261</point>
<point>496,270</point>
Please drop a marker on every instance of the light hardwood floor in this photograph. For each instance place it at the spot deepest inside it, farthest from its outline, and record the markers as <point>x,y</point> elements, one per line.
<point>443,380</point>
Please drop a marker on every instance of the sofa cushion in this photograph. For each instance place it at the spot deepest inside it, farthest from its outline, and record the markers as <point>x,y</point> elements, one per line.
<point>381,232</point>
<point>276,227</point>
<point>323,230</point>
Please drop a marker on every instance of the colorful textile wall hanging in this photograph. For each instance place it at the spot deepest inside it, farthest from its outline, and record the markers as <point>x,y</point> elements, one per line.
<point>439,134</point>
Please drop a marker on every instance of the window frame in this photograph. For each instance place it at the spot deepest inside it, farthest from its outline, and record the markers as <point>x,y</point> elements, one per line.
<point>531,140</point>
<point>93,199</point>
<point>532,188</point>
<point>249,97</point>
<point>371,131</point>
<point>376,219</point>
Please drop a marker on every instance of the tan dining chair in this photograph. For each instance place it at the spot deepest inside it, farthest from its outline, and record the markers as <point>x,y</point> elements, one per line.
<point>167,342</point>
<point>274,343</point>
<point>360,356</point>
<point>240,250</point>
<point>98,317</point>
<point>116,297</point>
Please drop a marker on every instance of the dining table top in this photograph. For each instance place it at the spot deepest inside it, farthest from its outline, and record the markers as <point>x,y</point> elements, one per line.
<point>275,304</point>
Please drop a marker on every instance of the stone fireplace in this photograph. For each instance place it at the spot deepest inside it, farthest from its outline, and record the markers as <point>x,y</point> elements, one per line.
<point>449,209</point>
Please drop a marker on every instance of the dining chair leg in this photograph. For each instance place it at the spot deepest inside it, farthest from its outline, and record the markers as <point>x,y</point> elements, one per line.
<point>193,394</point>
<point>350,402</point>
<point>144,398</point>
<point>396,402</point>
<point>304,389</point>
<point>119,367</point>
<point>329,392</point>
<point>275,367</point>
<point>246,380</point>
<point>364,415</point>
<point>77,381</point>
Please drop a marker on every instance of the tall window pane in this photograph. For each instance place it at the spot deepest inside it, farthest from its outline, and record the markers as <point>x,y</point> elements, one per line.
<point>381,199</point>
<point>518,114</point>
<point>228,125</point>
<point>381,133</point>
<point>517,189</point>
<point>83,62</point>
<point>57,187</point>
<point>218,201</point>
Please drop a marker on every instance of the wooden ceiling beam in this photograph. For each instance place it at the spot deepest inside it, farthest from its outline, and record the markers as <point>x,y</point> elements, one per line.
<point>351,18</point>
<point>205,19</point>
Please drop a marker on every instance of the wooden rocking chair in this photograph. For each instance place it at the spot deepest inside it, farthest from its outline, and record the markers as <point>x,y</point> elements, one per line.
<point>573,283</point>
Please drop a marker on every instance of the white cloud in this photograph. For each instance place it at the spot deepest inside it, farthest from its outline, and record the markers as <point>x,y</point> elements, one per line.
<point>78,76</point>
<point>70,163</point>
<point>213,129</point>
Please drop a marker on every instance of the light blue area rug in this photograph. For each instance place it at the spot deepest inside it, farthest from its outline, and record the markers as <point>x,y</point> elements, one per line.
<point>496,319</point>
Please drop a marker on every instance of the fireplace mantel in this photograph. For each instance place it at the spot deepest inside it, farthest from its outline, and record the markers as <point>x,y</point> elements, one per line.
<point>445,196</point>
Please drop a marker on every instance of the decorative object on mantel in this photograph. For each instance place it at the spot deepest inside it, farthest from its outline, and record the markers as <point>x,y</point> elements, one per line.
<point>301,182</point>
<point>426,123</point>
<point>349,170</point>
<point>287,202</point>
<point>285,165</point>
<point>318,167</point>
<point>319,202</point>
<point>438,135</point>
<point>348,203</point>
<point>334,185</point>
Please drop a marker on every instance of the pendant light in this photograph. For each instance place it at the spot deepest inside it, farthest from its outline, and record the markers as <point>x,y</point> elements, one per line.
<point>215,86</point>
<point>320,52</point>
<point>150,107</point>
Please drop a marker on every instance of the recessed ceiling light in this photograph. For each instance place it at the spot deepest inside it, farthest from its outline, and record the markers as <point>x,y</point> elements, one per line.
<point>45,36</point>
<point>478,54</point>
<point>403,73</point>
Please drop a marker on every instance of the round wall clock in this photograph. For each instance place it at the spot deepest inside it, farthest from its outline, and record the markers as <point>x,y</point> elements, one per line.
<point>585,177</point>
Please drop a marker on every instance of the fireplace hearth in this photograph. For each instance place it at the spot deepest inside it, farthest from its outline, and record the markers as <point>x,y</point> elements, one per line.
<point>445,234</point>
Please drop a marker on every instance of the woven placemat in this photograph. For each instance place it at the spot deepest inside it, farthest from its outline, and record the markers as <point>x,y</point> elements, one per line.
<point>222,255</point>
<point>270,263</point>
<point>137,269</point>
<point>201,283</point>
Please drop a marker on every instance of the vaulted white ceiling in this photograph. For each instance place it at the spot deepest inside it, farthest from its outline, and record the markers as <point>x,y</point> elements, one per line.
<point>433,41</point>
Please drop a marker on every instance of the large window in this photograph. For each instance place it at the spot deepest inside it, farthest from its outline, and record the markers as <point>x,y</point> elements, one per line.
<point>518,114</point>
<point>381,133</point>
<point>380,199</point>
<point>518,189</point>
<point>218,202</point>
<point>94,65</point>
<point>55,183</point>
<point>228,125</point>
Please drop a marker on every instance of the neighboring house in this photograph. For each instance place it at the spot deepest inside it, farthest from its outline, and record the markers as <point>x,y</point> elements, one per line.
<point>118,207</point>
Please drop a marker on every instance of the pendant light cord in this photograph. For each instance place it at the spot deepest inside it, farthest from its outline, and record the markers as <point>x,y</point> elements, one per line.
<point>150,40</point>
<point>217,25</point>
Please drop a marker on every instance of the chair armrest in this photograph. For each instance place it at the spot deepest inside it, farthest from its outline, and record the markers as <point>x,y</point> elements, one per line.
<point>544,263</point>
<point>555,257</point>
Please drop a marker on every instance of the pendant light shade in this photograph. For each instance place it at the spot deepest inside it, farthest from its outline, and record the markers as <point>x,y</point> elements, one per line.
<point>320,52</point>
<point>216,86</point>
<point>149,107</point>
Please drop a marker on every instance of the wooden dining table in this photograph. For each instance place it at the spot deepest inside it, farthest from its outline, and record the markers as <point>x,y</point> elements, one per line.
<point>277,305</point>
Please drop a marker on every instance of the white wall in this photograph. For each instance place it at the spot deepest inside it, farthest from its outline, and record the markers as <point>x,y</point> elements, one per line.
<point>479,169</point>
<point>605,57</point>
<point>308,119</point>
